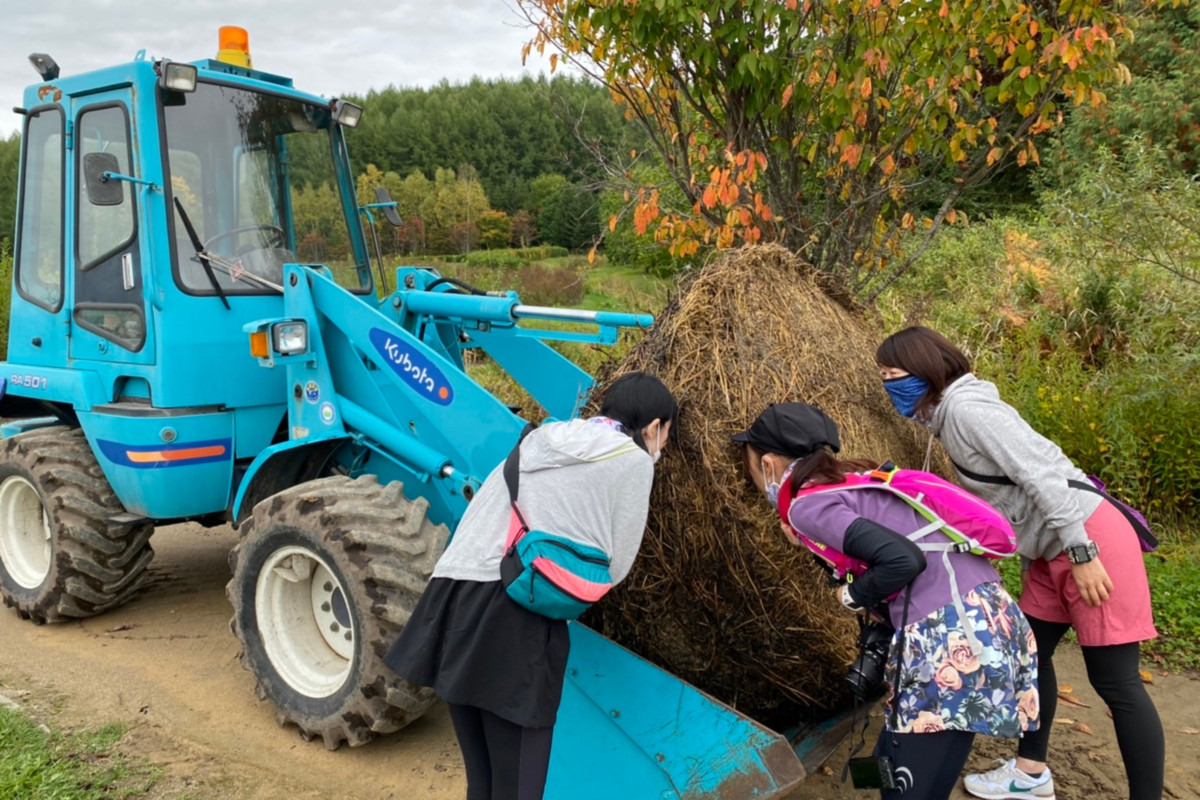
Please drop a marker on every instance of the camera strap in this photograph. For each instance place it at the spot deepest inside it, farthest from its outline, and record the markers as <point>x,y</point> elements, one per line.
<point>900,659</point>
<point>859,704</point>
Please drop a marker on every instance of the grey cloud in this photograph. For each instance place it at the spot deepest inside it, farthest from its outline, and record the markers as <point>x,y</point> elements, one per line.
<point>330,48</point>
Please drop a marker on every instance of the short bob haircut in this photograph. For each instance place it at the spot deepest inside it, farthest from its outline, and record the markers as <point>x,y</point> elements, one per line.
<point>635,400</point>
<point>927,354</point>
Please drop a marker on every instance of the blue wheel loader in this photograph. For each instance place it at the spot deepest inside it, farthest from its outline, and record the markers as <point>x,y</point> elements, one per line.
<point>191,340</point>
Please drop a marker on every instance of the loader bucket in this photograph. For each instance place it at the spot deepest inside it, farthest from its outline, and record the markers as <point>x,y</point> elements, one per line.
<point>627,729</point>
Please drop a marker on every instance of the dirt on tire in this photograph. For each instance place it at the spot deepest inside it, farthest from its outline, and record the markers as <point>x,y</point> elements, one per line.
<point>96,562</point>
<point>166,665</point>
<point>381,548</point>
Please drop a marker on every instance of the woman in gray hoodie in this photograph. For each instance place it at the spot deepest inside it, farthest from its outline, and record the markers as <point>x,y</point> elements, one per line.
<point>1064,530</point>
<point>499,666</point>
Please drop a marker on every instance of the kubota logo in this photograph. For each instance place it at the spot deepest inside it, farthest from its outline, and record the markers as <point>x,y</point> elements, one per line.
<point>416,370</point>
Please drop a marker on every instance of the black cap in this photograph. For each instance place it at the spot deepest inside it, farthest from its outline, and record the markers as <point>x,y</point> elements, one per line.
<point>793,429</point>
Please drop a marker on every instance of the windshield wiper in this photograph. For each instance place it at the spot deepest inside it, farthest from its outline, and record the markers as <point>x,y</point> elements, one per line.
<point>196,243</point>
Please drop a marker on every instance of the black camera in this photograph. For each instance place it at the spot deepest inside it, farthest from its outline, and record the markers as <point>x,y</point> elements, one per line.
<point>873,772</point>
<point>867,672</point>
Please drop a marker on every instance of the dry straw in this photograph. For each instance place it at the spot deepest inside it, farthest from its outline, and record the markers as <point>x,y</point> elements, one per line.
<point>717,596</point>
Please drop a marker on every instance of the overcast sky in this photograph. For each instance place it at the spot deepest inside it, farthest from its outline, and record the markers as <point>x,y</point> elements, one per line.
<point>328,47</point>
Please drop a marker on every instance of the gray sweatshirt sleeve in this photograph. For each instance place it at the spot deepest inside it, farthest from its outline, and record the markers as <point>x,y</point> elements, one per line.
<point>1034,463</point>
<point>631,504</point>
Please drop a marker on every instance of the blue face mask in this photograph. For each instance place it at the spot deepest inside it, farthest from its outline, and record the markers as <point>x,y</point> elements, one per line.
<point>906,392</point>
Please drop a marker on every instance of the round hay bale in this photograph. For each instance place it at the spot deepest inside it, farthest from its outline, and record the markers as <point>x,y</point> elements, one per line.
<point>718,596</point>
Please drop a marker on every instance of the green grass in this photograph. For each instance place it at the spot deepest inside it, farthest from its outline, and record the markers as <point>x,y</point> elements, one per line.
<point>1174,571</point>
<point>35,765</point>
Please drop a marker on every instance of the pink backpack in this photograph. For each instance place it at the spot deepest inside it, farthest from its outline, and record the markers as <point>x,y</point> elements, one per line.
<point>965,523</point>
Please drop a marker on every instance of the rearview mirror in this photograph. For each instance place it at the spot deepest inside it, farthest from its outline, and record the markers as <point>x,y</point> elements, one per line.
<point>101,190</point>
<point>383,196</point>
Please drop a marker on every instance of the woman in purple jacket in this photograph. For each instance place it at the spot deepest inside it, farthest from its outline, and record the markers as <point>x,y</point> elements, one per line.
<point>959,676</point>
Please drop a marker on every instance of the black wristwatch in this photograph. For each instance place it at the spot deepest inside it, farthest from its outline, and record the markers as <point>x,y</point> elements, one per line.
<point>1083,553</point>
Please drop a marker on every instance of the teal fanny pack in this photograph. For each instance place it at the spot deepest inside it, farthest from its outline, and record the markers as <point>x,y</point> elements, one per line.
<point>544,572</point>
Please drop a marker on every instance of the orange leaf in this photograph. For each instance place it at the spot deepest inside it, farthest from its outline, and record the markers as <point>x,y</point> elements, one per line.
<point>787,93</point>
<point>889,165</point>
<point>1147,677</point>
<point>612,223</point>
<point>1033,27</point>
<point>852,154</point>
<point>710,197</point>
<point>1083,728</point>
<point>944,10</point>
<point>866,86</point>
<point>553,61</point>
<point>1070,699</point>
<point>592,255</point>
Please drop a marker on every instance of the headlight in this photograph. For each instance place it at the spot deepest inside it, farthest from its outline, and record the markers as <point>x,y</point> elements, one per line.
<point>177,77</point>
<point>346,114</point>
<point>290,338</point>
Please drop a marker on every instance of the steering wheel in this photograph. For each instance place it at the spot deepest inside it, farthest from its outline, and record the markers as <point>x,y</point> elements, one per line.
<point>278,234</point>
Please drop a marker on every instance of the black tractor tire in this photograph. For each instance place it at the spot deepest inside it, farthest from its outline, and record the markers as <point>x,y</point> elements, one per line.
<point>96,555</point>
<point>377,549</point>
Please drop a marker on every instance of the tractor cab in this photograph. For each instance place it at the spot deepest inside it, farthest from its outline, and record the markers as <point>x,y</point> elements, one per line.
<point>158,203</point>
<point>158,206</point>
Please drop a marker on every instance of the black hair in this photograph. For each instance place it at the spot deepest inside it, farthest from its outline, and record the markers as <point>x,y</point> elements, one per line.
<point>637,399</point>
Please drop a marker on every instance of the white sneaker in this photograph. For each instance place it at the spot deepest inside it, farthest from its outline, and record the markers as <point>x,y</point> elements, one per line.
<point>1006,781</point>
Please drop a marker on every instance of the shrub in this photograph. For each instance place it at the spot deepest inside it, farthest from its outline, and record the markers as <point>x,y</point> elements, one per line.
<point>543,285</point>
<point>495,259</point>
<point>1102,357</point>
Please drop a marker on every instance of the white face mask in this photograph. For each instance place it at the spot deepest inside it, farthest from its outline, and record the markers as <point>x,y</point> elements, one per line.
<point>771,488</point>
<point>658,441</point>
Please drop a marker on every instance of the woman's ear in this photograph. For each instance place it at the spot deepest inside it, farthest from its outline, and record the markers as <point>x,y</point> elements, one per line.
<point>650,432</point>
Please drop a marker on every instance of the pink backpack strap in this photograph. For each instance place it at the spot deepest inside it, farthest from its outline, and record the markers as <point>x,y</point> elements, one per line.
<point>517,526</point>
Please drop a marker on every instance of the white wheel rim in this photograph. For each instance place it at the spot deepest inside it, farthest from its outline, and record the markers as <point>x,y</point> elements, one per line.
<point>304,621</point>
<point>24,533</point>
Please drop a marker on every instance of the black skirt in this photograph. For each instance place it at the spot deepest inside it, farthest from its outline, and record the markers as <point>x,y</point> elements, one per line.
<point>476,647</point>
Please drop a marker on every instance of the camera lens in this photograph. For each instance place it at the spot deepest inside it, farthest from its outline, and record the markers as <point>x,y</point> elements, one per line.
<point>867,671</point>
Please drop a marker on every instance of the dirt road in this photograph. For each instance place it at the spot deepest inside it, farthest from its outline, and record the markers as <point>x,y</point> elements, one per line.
<point>166,665</point>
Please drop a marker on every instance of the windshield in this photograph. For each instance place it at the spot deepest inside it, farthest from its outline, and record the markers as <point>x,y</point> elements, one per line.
<point>254,175</point>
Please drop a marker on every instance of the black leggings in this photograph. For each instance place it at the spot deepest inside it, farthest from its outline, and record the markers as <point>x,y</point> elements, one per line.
<point>1113,673</point>
<point>504,761</point>
<point>927,765</point>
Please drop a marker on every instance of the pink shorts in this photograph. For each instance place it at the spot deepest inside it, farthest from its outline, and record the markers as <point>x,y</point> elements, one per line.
<point>1050,592</point>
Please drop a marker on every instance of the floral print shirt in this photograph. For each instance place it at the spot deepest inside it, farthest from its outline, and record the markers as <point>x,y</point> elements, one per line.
<point>947,685</point>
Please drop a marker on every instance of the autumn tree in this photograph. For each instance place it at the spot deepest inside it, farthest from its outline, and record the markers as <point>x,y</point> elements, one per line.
<point>524,228</point>
<point>495,229</point>
<point>453,200</point>
<point>1160,108</point>
<point>819,123</point>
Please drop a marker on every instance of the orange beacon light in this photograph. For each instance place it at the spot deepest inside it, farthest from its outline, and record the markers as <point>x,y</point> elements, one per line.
<point>234,46</point>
